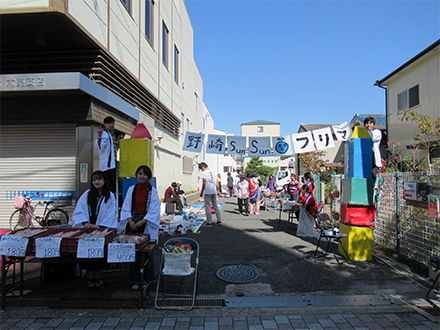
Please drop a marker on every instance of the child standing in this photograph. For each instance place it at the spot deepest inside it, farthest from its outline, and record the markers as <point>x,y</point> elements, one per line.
<point>376,135</point>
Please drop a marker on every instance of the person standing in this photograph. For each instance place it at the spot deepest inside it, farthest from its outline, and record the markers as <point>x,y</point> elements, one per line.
<point>237,179</point>
<point>141,212</point>
<point>219,183</point>
<point>96,209</point>
<point>107,151</point>
<point>243,195</point>
<point>230,184</point>
<point>309,181</point>
<point>254,193</point>
<point>209,188</point>
<point>376,135</point>
<point>271,183</point>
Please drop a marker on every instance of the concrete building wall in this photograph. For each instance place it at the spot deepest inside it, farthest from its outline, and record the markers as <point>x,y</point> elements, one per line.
<point>122,33</point>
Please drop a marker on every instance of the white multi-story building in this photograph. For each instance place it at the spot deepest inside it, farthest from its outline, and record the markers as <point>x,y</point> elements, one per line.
<point>67,64</point>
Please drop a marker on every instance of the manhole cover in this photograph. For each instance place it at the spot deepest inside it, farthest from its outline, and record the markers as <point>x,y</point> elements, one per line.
<point>238,274</point>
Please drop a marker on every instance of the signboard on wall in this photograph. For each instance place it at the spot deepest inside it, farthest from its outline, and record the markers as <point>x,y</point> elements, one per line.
<point>415,191</point>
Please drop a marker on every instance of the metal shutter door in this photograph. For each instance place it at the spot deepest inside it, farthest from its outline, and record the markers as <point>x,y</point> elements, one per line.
<point>35,158</point>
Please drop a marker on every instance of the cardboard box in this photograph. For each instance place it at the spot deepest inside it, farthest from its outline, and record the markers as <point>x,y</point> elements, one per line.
<point>358,243</point>
<point>357,191</point>
<point>133,153</point>
<point>357,215</point>
<point>360,158</point>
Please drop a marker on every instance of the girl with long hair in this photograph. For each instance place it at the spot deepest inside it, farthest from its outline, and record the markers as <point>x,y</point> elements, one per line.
<point>96,208</point>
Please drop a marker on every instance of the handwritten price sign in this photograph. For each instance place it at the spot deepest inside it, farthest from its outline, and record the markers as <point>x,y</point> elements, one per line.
<point>13,246</point>
<point>90,248</point>
<point>121,252</point>
<point>47,247</point>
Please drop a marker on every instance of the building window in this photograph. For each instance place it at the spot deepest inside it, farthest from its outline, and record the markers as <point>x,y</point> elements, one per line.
<point>165,37</point>
<point>187,165</point>
<point>227,169</point>
<point>127,5</point>
<point>260,129</point>
<point>149,20</point>
<point>176,65</point>
<point>408,99</point>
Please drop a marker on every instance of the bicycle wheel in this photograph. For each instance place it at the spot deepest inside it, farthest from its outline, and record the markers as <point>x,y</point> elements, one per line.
<point>56,217</point>
<point>19,219</point>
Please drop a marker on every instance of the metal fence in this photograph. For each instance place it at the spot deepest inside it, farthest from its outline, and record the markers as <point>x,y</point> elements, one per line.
<point>403,226</point>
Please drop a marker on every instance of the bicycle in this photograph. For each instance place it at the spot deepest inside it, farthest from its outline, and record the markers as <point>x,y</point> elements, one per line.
<point>25,214</point>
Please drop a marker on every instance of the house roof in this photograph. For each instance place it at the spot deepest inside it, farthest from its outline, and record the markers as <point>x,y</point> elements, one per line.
<point>381,120</point>
<point>260,122</point>
<point>403,66</point>
<point>311,127</point>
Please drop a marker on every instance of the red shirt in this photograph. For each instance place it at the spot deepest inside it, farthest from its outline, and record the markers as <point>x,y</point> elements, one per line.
<point>169,193</point>
<point>140,201</point>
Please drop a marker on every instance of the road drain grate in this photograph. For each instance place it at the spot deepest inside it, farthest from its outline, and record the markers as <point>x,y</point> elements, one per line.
<point>185,302</point>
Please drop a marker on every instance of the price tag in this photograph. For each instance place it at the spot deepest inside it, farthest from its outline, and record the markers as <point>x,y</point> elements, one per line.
<point>121,252</point>
<point>47,247</point>
<point>13,246</point>
<point>90,247</point>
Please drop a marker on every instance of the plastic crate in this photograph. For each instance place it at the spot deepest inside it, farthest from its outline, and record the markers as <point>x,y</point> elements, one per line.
<point>30,233</point>
<point>61,231</point>
<point>138,246</point>
<point>72,243</point>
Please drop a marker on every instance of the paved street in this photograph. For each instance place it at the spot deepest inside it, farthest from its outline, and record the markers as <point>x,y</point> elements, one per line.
<point>294,289</point>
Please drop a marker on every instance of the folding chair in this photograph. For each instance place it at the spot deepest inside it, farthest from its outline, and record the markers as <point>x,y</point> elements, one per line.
<point>167,269</point>
<point>327,231</point>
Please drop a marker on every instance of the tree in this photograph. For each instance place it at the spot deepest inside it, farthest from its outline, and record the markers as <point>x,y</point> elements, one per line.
<point>313,161</point>
<point>256,164</point>
<point>429,136</point>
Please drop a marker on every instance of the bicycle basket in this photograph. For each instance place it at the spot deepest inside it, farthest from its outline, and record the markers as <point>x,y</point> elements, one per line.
<point>18,202</point>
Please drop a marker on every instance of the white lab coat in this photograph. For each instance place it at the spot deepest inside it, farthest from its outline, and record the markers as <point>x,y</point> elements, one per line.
<point>106,216</point>
<point>106,150</point>
<point>376,135</point>
<point>152,217</point>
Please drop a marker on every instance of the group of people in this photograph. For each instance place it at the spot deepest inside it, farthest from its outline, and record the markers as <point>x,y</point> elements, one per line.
<point>140,214</point>
<point>175,195</point>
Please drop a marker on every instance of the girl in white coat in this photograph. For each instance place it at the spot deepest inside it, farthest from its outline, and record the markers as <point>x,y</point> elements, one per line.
<point>376,135</point>
<point>96,208</point>
<point>141,211</point>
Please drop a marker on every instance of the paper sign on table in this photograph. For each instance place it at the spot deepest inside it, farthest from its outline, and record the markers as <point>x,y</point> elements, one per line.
<point>90,247</point>
<point>121,252</point>
<point>47,247</point>
<point>13,246</point>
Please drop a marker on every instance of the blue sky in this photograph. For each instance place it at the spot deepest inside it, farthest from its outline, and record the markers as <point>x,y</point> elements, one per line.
<point>303,62</point>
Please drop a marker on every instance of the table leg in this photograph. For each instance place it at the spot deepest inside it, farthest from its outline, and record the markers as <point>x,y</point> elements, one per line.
<point>3,282</point>
<point>141,302</point>
<point>281,210</point>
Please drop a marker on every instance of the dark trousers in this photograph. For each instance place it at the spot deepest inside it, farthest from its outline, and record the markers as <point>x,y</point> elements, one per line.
<point>134,275</point>
<point>111,177</point>
<point>244,202</point>
<point>177,201</point>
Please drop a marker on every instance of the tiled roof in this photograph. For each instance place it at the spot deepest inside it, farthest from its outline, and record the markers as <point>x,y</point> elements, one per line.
<point>380,119</point>
<point>260,122</point>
